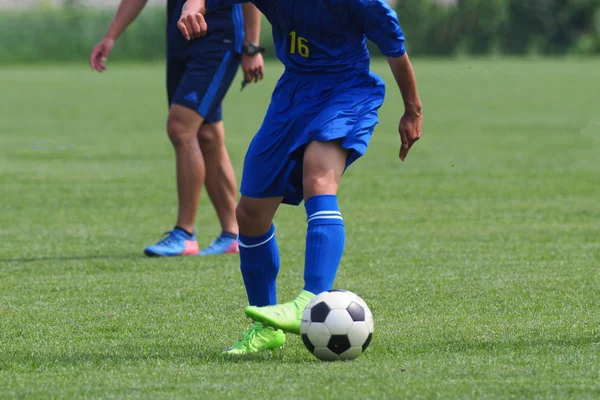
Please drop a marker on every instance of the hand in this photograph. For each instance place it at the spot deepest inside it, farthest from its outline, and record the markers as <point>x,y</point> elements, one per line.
<point>253,67</point>
<point>100,54</point>
<point>410,129</point>
<point>192,23</point>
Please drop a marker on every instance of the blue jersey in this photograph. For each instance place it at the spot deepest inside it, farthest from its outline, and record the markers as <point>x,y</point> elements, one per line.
<point>225,29</point>
<point>327,36</point>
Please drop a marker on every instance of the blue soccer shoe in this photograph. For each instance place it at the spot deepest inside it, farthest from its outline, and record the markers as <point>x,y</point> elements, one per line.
<point>175,243</point>
<point>226,243</point>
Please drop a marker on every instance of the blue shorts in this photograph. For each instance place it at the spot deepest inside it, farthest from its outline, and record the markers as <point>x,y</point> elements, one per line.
<point>201,82</point>
<point>304,109</point>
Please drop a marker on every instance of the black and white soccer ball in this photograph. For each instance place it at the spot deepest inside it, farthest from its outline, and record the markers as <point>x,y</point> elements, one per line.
<point>337,325</point>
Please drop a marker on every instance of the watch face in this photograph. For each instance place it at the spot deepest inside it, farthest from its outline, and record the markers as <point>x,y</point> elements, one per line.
<point>251,49</point>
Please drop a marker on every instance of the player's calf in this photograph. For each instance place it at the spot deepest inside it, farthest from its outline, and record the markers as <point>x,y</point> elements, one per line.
<point>325,238</point>
<point>183,125</point>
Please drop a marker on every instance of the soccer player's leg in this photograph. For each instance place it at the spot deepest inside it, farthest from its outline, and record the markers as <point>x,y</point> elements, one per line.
<point>182,126</point>
<point>259,264</point>
<point>323,166</point>
<point>220,177</point>
<point>199,89</point>
<point>220,184</point>
<point>338,133</point>
<point>267,169</point>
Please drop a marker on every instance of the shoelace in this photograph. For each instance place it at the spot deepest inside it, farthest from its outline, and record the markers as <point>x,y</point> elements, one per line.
<point>217,242</point>
<point>247,335</point>
<point>168,238</point>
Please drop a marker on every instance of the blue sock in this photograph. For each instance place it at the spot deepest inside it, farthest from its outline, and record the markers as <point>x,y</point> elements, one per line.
<point>324,242</point>
<point>259,263</point>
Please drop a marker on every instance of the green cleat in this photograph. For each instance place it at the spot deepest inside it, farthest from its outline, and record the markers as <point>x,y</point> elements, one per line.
<point>286,316</point>
<point>257,338</point>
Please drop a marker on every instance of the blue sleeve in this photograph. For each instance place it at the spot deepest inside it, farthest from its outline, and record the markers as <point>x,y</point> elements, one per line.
<point>382,27</point>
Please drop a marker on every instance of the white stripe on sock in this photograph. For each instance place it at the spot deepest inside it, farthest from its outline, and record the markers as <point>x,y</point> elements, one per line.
<point>251,246</point>
<point>325,217</point>
<point>324,213</point>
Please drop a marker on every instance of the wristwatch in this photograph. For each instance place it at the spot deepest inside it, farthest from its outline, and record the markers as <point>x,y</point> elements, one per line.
<point>251,49</point>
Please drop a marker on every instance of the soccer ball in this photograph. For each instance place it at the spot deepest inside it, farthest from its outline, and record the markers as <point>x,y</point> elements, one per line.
<point>336,325</point>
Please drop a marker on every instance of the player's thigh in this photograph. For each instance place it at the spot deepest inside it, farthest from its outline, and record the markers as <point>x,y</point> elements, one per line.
<point>206,81</point>
<point>269,171</point>
<point>176,67</point>
<point>268,167</point>
<point>323,166</point>
<point>200,92</point>
<point>255,215</point>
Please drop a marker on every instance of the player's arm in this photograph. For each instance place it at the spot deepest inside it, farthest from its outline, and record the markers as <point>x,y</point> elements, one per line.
<point>126,14</point>
<point>251,23</point>
<point>381,25</point>
<point>252,59</point>
<point>192,23</point>
<point>412,121</point>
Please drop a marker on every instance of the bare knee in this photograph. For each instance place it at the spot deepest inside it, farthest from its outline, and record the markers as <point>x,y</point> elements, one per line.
<point>255,216</point>
<point>177,132</point>
<point>210,137</point>
<point>248,217</point>
<point>182,126</point>
<point>319,183</point>
<point>323,166</point>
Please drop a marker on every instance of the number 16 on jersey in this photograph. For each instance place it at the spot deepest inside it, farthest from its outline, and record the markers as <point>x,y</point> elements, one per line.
<point>299,45</point>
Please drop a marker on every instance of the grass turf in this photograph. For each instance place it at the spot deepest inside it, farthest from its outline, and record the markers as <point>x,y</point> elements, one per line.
<point>479,256</point>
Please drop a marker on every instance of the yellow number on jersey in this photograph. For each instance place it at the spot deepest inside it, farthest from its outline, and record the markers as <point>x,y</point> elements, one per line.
<point>300,44</point>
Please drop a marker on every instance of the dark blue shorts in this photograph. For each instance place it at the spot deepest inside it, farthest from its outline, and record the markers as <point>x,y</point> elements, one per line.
<point>201,82</point>
<point>304,109</point>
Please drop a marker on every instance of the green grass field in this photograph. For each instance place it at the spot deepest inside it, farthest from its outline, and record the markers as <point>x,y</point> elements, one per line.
<point>479,256</point>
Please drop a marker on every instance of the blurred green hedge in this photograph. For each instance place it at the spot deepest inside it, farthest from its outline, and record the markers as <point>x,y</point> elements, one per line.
<point>68,34</point>
<point>477,27</point>
<point>549,27</point>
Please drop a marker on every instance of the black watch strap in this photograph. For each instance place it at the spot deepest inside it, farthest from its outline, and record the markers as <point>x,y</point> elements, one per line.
<point>252,49</point>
